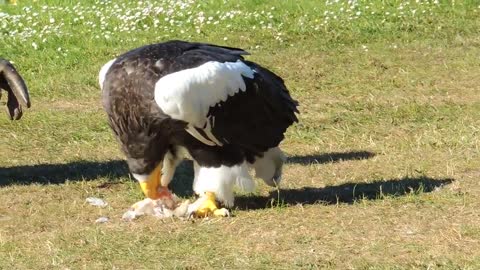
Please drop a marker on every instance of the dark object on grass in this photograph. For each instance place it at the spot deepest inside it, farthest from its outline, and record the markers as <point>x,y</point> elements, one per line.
<point>12,82</point>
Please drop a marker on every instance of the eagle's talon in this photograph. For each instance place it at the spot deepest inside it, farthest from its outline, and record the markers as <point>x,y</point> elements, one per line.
<point>222,212</point>
<point>206,206</point>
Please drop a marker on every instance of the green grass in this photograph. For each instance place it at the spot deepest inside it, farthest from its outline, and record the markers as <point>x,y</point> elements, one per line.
<point>383,167</point>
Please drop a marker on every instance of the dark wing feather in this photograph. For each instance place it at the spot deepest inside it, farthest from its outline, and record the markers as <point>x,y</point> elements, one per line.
<point>195,54</point>
<point>257,118</point>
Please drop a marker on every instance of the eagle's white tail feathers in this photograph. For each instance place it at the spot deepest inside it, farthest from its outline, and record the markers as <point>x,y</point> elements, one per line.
<point>244,181</point>
<point>221,181</point>
<point>269,167</point>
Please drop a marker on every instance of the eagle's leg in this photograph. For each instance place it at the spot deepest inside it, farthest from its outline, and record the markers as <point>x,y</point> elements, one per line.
<point>212,185</point>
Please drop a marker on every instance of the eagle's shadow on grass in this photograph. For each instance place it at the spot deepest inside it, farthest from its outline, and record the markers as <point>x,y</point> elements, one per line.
<point>182,185</point>
<point>60,173</point>
<point>332,157</point>
<point>113,169</point>
<point>347,193</point>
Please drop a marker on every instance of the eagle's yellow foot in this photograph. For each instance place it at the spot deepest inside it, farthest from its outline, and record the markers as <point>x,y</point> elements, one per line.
<point>207,206</point>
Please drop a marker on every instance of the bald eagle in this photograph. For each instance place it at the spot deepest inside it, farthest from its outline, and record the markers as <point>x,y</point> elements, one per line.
<point>179,100</point>
<point>13,84</point>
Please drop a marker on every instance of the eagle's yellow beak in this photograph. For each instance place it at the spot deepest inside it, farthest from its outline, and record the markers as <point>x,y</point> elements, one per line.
<point>151,187</point>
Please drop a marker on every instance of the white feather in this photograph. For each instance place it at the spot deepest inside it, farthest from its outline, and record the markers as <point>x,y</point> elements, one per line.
<point>103,72</point>
<point>192,131</point>
<point>140,177</point>
<point>208,132</point>
<point>188,94</point>
<point>221,181</point>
